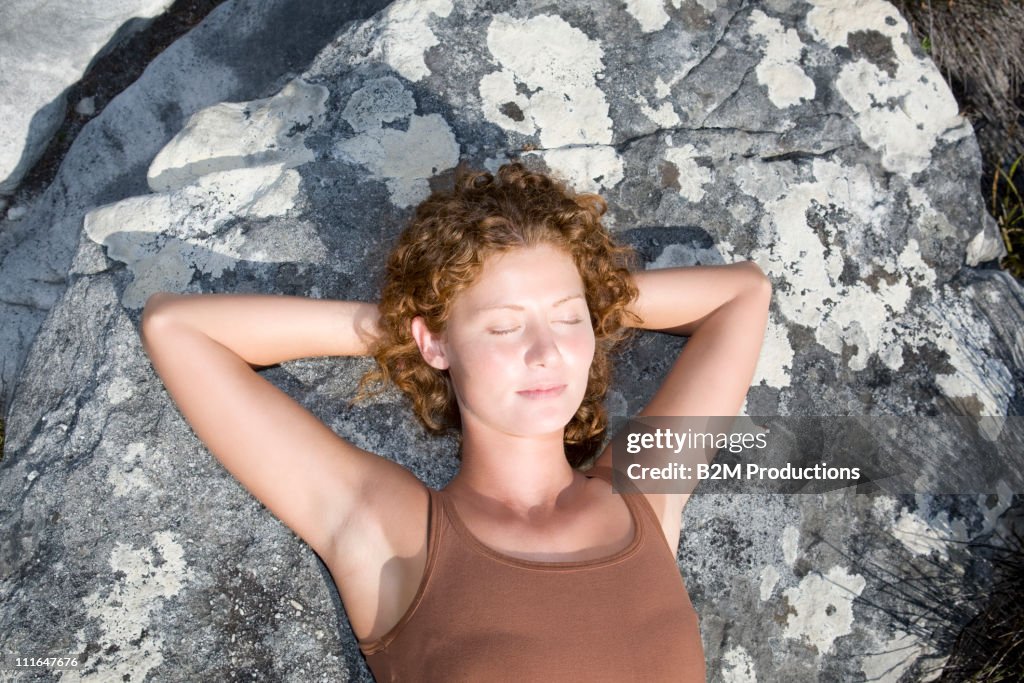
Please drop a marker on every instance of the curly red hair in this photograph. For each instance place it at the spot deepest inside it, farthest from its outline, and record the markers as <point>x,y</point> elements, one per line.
<point>442,251</point>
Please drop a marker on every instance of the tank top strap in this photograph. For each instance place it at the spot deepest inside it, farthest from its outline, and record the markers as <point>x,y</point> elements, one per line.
<point>631,494</point>
<point>601,472</point>
<point>435,517</point>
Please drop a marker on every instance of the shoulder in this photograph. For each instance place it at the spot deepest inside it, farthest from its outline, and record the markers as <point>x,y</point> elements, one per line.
<point>380,554</point>
<point>667,508</point>
<point>391,518</point>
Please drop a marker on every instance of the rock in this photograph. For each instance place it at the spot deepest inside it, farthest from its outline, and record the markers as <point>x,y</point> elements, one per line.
<point>809,137</point>
<point>231,136</point>
<point>264,49</point>
<point>86,106</point>
<point>16,213</point>
<point>45,49</point>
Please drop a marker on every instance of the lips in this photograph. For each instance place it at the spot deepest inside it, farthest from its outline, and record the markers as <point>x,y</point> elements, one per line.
<point>543,391</point>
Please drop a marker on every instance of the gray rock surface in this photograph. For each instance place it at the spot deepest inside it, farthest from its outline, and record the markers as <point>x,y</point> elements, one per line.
<point>243,51</point>
<point>811,138</point>
<point>44,48</point>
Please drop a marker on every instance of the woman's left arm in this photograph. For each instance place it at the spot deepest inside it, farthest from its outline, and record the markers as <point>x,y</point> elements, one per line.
<point>724,311</point>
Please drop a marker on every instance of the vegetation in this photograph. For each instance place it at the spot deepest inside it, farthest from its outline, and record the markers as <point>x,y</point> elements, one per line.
<point>981,55</point>
<point>1008,209</point>
<point>991,647</point>
<point>962,604</point>
<point>979,48</point>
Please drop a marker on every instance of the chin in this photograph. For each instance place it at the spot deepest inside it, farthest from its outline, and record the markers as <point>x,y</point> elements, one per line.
<point>547,424</point>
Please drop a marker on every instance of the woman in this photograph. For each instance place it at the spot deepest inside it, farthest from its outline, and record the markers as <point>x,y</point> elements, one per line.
<point>501,302</point>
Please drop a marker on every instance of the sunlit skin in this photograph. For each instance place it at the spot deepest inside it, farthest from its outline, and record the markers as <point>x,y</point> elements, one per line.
<point>518,345</point>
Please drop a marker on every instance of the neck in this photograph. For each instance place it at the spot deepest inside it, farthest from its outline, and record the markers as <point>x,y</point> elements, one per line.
<point>523,474</point>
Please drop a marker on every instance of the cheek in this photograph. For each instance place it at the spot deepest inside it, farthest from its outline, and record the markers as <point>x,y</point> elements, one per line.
<point>484,362</point>
<point>584,347</point>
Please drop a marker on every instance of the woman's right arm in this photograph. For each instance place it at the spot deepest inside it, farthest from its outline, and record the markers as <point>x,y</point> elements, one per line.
<point>205,349</point>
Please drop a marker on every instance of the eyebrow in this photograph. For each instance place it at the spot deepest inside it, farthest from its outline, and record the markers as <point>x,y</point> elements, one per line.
<point>516,307</point>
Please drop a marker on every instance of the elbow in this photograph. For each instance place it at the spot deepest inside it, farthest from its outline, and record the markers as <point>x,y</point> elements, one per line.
<point>759,285</point>
<point>153,304</point>
<point>155,298</point>
<point>764,284</point>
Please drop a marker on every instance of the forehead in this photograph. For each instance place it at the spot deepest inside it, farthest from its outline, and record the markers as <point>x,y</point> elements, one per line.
<point>522,274</point>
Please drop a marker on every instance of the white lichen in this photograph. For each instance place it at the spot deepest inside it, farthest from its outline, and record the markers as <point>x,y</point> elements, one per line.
<point>779,70</point>
<point>586,169</point>
<point>128,476</point>
<point>841,314</point>
<point>128,646</point>
<point>237,135</point>
<point>738,666</point>
<point>925,531</point>
<point>692,177</point>
<point>379,101</point>
<point>664,114</point>
<point>405,36</point>
<point>119,390</point>
<point>503,104</point>
<point>823,606</point>
<point>164,238</point>
<point>775,363</point>
<point>231,161</point>
<point>558,65</point>
<point>403,159</point>
<point>662,88</point>
<point>902,115</point>
<point>650,14</point>
<point>872,312</point>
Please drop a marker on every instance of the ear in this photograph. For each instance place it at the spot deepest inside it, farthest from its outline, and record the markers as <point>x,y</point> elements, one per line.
<point>432,346</point>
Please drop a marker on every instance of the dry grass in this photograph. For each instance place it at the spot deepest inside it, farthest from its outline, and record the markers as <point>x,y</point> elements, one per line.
<point>1007,206</point>
<point>990,649</point>
<point>963,604</point>
<point>978,46</point>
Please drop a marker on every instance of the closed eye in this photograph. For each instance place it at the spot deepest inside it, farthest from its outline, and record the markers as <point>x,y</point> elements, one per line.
<point>510,330</point>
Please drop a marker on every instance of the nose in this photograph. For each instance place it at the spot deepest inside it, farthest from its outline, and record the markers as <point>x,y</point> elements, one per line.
<point>542,347</point>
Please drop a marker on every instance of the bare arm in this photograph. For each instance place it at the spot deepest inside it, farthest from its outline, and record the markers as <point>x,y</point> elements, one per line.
<point>724,311</point>
<point>266,330</point>
<point>204,346</point>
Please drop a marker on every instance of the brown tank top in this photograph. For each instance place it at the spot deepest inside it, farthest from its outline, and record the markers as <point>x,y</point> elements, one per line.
<point>482,615</point>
